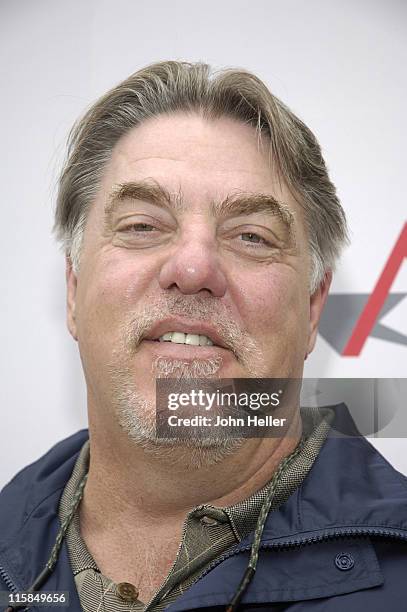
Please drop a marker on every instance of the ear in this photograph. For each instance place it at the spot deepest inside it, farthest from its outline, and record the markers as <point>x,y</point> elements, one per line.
<point>317,303</point>
<point>71,284</point>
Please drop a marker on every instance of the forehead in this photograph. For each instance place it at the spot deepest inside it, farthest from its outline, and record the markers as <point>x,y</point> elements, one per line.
<point>203,160</point>
<point>192,139</point>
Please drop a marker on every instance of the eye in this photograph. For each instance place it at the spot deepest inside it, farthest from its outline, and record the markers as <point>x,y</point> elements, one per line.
<point>141,233</point>
<point>254,240</point>
<point>140,227</point>
<point>251,237</point>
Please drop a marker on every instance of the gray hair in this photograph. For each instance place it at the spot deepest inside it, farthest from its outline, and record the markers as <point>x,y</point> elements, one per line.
<point>169,87</point>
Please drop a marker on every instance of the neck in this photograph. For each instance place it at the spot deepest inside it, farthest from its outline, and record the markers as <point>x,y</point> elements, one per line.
<point>128,483</point>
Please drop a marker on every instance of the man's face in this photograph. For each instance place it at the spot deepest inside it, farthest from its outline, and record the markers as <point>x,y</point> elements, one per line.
<point>192,233</point>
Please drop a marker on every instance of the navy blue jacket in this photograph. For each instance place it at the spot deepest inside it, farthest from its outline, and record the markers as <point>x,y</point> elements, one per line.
<point>339,543</point>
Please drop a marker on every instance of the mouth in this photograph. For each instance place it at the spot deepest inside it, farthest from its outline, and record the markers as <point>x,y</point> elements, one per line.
<point>185,339</point>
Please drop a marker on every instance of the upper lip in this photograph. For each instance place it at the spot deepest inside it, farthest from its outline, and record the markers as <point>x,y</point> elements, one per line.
<point>187,327</point>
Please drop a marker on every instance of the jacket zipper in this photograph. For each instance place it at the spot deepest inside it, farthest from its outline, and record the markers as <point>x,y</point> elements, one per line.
<point>311,540</point>
<point>10,584</point>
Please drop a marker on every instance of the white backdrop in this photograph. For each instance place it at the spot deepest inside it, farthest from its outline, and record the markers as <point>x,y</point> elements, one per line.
<point>339,64</point>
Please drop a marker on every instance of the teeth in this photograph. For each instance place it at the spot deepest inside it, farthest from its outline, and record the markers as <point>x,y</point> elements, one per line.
<point>178,338</point>
<point>181,338</point>
<point>205,341</point>
<point>192,339</point>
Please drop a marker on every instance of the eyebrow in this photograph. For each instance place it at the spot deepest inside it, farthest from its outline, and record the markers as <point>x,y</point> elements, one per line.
<point>149,191</point>
<point>246,203</point>
<point>240,203</point>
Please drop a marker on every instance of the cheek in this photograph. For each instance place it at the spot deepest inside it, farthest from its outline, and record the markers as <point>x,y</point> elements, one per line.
<point>108,290</point>
<point>276,302</point>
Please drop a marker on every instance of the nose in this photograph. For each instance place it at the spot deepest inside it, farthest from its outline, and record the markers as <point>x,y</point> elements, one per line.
<point>193,267</point>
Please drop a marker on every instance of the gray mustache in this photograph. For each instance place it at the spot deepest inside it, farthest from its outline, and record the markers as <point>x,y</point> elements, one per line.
<point>245,349</point>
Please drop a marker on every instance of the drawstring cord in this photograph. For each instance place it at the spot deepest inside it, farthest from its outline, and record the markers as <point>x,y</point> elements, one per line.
<point>77,496</point>
<point>261,521</point>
